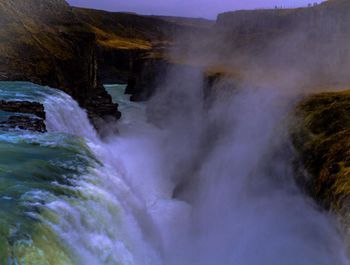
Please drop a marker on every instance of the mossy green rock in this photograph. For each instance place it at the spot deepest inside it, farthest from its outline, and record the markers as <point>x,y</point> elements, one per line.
<point>321,135</point>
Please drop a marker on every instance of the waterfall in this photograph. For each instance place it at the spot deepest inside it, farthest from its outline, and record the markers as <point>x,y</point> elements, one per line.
<point>105,227</point>
<point>64,115</point>
<point>185,183</point>
<point>71,205</point>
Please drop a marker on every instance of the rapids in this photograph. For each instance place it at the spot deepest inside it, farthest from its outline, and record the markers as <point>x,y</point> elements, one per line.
<point>180,184</point>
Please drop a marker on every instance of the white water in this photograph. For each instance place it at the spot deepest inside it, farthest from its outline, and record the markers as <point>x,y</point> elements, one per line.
<point>105,226</point>
<point>238,205</point>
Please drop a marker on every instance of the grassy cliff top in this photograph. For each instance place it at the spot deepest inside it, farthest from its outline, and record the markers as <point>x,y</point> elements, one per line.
<point>33,34</point>
<point>127,30</point>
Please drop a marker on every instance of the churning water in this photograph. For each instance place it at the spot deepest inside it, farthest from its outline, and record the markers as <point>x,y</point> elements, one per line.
<point>183,183</point>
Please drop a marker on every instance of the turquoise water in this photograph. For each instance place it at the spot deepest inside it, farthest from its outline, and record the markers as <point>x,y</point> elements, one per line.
<point>36,170</point>
<point>59,204</point>
<point>33,173</point>
<point>132,112</point>
<point>25,91</point>
<point>117,93</point>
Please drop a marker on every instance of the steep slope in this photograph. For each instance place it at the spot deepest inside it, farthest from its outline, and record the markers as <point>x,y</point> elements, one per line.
<point>42,41</point>
<point>321,136</point>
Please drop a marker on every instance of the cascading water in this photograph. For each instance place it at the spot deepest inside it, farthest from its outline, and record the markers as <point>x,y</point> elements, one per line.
<point>182,184</point>
<point>64,205</point>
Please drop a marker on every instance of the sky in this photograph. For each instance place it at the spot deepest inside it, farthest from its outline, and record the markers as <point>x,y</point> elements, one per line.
<point>189,8</point>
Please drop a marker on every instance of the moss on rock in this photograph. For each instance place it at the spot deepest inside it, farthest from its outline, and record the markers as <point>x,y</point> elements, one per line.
<point>321,136</point>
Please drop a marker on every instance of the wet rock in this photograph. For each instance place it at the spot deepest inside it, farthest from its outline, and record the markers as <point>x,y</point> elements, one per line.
<point>27,115</point>
<point>27,107</point>
<point>24,123</point>
<point>100,109</point>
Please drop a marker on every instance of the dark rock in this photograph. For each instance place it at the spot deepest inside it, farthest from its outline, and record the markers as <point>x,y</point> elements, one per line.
<point>146,75</point>
<point>100,109</point>
<point>27,107</point>
<point>115,65</point>
<point>24,123</point>
<point>29,115</point>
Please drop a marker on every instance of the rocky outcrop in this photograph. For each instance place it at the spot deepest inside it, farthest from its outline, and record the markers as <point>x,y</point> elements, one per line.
<point>100,109</point>
<point>26,116</point>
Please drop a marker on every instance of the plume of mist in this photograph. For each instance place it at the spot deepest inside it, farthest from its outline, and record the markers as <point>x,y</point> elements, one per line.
<point>218,183</point>
<point>215,173</point>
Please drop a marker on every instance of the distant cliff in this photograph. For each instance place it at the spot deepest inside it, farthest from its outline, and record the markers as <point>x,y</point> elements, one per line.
<point>312,41</point>
<point>124,38</point>
<point>133,49</point>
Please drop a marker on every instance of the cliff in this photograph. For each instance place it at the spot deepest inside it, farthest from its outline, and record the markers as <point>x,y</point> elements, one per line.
<point>122,39</point>
<point>43,42</point>
<point>134,49</point>
<point>76,50</point>
<point>313,42</point>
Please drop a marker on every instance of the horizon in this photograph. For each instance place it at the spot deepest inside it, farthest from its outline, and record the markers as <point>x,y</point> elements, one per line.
<point>182,8</point>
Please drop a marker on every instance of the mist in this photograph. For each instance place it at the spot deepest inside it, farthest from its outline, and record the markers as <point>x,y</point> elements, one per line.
<point>215,170</point>
<point>218,182</point>
<point>211,174</point>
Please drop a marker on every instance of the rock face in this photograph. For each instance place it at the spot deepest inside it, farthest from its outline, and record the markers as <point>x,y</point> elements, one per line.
<point>132,48</point>
<point>26,115</point>
<point>146,75</point>
<point>321,136</point>
<point>43,42</point>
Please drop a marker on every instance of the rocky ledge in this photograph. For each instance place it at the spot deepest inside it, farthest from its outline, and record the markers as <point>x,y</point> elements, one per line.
<point>26,116</point>
<point>23,107</point>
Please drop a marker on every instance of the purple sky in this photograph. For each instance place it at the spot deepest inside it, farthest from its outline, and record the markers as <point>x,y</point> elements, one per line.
<point>194,8</point>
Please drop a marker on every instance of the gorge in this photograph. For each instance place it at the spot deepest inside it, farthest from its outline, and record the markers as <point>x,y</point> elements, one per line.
<point>232,150</point>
